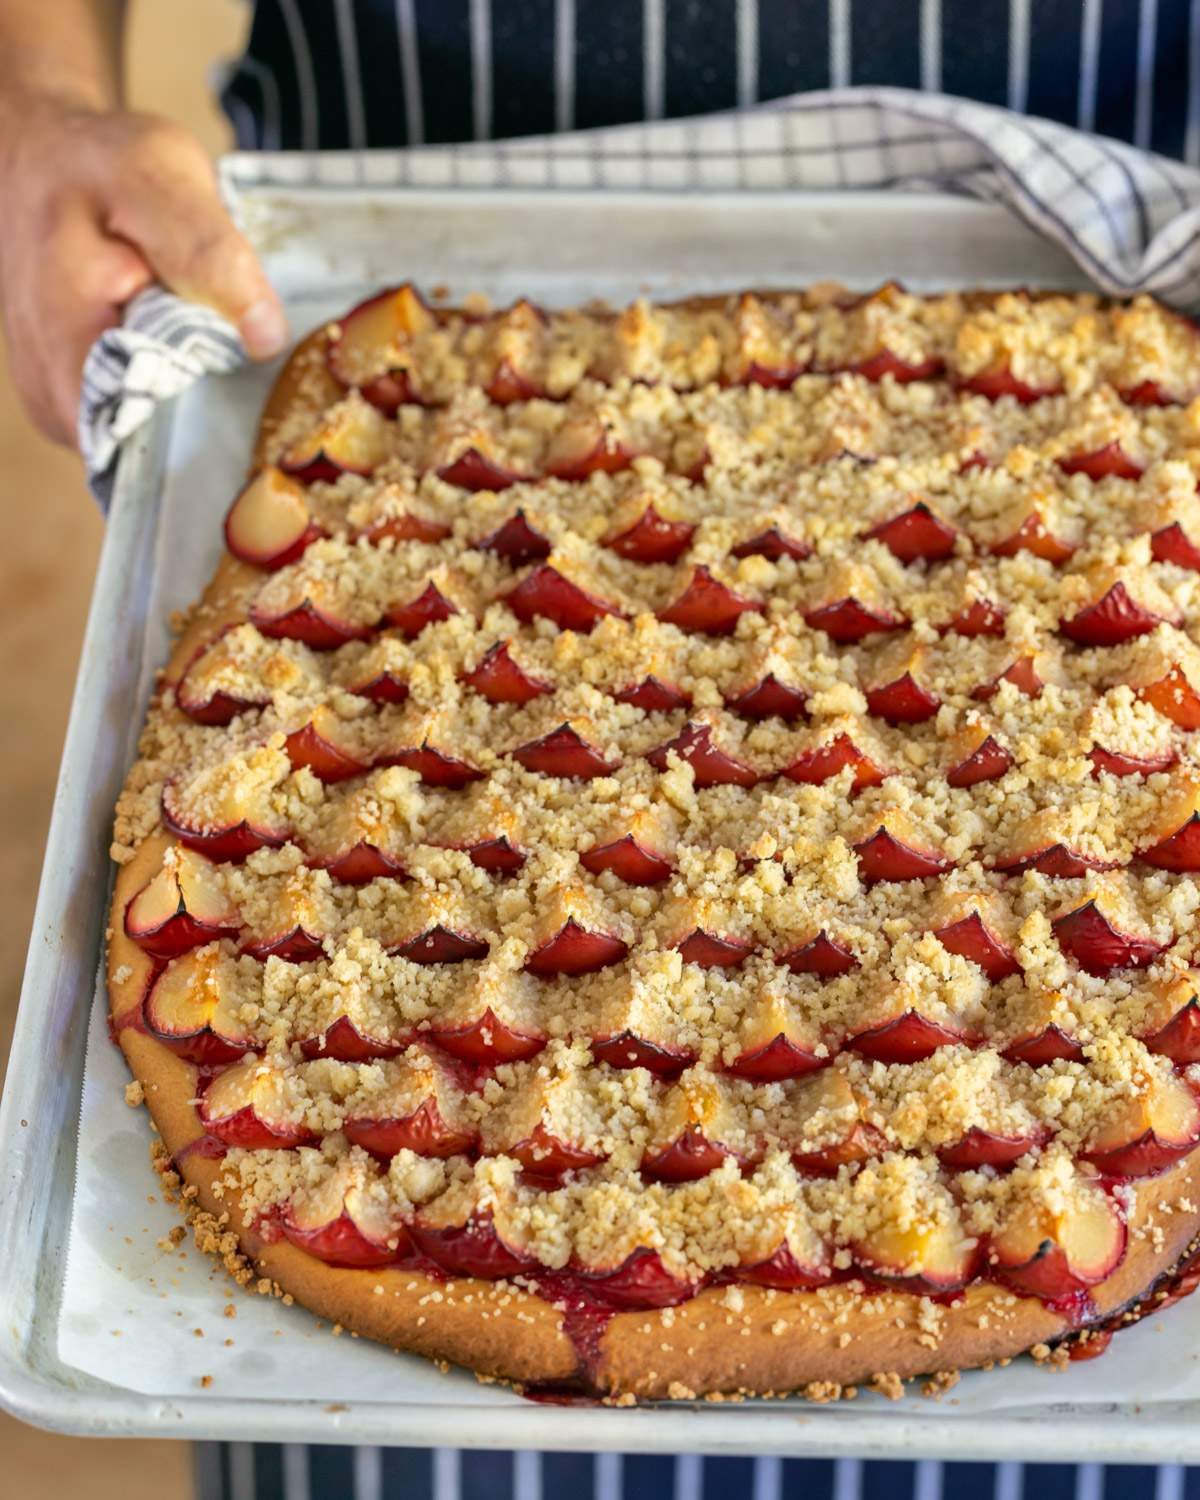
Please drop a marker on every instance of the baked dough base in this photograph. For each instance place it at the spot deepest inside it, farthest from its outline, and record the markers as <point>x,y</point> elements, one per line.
<point>726,1340</point>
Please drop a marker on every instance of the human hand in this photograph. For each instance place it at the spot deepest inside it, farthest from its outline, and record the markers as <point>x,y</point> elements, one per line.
<point>97,205</point>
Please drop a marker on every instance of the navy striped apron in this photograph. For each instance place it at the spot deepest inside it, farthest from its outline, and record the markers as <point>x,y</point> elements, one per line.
<point>336,74</point>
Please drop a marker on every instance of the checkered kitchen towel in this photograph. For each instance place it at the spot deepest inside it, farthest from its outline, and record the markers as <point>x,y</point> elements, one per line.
<point>1129,218</point>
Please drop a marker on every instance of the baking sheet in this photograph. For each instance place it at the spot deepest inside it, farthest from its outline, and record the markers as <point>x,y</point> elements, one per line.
<point>108,1343</point>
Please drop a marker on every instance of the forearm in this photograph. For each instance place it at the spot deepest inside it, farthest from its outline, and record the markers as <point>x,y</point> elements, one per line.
<point>65,50</point>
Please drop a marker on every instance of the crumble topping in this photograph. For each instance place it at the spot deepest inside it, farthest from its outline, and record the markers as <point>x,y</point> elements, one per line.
<point>657,694</point>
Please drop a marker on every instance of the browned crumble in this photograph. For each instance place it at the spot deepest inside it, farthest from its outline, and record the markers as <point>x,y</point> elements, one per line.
<point>773,864</point>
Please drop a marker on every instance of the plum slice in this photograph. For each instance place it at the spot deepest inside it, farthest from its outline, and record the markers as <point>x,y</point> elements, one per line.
<point>1179,1037</point>
<point>641,1281</point>
<point>563,752</point>
<point>1109,462</point>
<point>773,543</point>
<point>548,1158</point>
<point>181,907</point>
<point>709,950</point>
<point>928,1257</point>
<point>361,863</point>
<point>434,766</point>
<point>442,945</point>
<point>688,1158</point>
<point>785,1272</point>
<point>826,761</point>
<point>653,539</point>
<point>487,1041</point>
<point>380,324</point>
<point>971,938</point>
<point>624,1049</point>
<point>1144,1134</point>
<point>229,1110</point>
<point>1175,698</point>
<point>1097,946</point>
<point>384,687</point>
<point>769,698</point>
<point>711,765</point>
<point>499,679</point>
<point>498,856</point>
<point>1057,1250</point>
<point>1033,535</point>
<point>341,1242</point>
<point>343,1041</point>
<point>1171,544</point>
<point>652,695</point>
<point>189,1010</point>
<point>546,593</point>
<point>296,946</point>
<point>230,841</point>
<point>578,450</point>
<point>508,385</point>
<point>1116,763</point>
<point>423,1131</point>
<point>310,623</point>
<point>269,523</point>
<point>429,607</point>
<point>987,1148</point>
<point>629,860</point>
<point>1000,381</point>
<point>576,949</point>
<point>708,606</point>
<point>1053,858</point>
<point>987,762</point>
<point>776,1060</point>
<point>516,541</point>
<point>1114,618</point>
<point>981,617</point>
<point>1050,1045</point>
<point>883,856</point>
<point>902,701</point>
<point>475,471</point>
<point>820,955</point>
<point>916,535</point>
<point>848,621</point>
<point>350,438</point>
<point>909,1037</point>
<point>472,1249</point>
<point>314,745</point>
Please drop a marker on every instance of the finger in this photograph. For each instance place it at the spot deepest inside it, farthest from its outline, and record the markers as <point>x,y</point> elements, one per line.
<point>166,204</point>
<point>94,268</point>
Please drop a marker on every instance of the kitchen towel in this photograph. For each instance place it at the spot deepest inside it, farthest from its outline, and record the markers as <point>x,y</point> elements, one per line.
<point>1130,219</point>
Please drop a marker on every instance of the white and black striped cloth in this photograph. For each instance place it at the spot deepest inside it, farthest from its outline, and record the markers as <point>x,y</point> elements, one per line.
<point>1130,218</point>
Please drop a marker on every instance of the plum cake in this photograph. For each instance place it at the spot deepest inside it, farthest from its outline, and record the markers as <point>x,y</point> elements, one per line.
<point>664,861</point>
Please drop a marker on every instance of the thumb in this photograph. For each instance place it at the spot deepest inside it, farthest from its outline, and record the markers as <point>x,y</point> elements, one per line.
<point>169,208</point>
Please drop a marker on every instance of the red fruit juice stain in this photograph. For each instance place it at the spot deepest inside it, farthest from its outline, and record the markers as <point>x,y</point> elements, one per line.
<point>584,1320</point>
<point>1076,1308</point>
<point>134,1019</point>
<point>205,1147</point>
<point>1092,1347</point>
<point>1167,1291</point>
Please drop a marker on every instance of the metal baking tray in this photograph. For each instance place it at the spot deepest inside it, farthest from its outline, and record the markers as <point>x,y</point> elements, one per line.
<point>323,245</point>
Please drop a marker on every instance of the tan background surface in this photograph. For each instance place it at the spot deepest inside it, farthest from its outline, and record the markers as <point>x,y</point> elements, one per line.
<point>49,537</point>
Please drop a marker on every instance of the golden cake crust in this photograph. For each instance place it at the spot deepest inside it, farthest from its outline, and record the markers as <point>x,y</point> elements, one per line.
<point>759,1341</point>
<point>725,1339</point>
